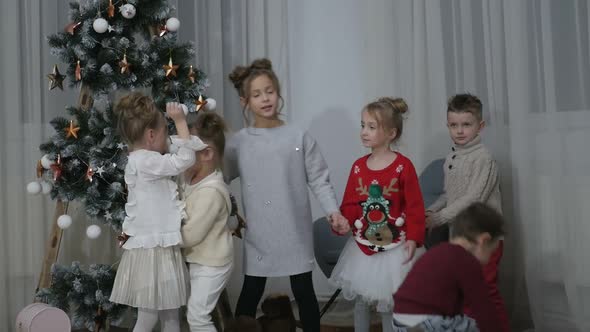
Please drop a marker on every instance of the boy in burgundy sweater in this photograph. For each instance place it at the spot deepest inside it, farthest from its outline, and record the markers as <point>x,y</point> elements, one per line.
<point>449,276</point>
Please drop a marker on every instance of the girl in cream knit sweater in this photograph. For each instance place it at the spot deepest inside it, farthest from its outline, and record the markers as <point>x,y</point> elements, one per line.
<point>208,244</point>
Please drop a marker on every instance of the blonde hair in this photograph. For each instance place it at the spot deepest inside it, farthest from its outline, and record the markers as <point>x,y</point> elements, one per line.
<point>135,114</point>
<point>389,113</point>
<point>242,76</point>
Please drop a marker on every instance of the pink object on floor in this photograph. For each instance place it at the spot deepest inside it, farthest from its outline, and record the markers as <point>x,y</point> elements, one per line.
<point>41,317</point>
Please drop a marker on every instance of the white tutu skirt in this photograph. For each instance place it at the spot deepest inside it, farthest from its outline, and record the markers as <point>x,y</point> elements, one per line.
<point>151,278</point>
<point>372,279</point>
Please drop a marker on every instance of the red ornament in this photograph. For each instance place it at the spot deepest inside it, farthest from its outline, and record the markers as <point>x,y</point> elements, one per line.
<point>111,9</point>
<point>89,174</point>
<point>71,28</point>
<point>78,71</point>
<point>191,74</point>
<point>56,168</point>
<point>125,65</point>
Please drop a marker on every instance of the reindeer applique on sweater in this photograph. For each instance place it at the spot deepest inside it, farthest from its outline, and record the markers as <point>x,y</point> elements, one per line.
<point>377,229</point>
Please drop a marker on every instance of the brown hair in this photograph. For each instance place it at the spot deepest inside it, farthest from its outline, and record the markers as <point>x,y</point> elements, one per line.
<point>476,219</point>
<point>241,77</point>
<point>389,113</point>
<point>136,113</point>
<point>465,103</point>
<point>210,128</point>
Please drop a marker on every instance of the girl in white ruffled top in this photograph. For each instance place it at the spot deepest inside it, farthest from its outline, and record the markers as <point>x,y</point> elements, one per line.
<point>152,275</point>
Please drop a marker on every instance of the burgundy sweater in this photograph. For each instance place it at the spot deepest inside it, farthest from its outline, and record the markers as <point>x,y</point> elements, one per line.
<point>441,282</point>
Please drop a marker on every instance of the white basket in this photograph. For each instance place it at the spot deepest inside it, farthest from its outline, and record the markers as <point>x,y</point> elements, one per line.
<point>40,317</point>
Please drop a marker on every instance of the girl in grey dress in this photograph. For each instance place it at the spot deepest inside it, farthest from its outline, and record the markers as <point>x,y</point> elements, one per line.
<point>277,163</point>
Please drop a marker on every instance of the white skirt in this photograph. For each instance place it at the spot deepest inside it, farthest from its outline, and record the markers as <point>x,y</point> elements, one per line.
<point>151,278</point>
<point>372,279</point>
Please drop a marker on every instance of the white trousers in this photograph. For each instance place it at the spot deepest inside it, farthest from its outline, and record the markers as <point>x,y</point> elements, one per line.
<point>207,283</point>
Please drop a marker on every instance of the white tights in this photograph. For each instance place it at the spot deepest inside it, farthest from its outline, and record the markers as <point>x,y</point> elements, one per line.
<point>148,318</point>
<point>362,318</point>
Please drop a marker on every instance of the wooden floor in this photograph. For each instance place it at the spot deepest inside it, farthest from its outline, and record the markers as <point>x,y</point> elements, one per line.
<point>376,327</point>
<point>337,319</point>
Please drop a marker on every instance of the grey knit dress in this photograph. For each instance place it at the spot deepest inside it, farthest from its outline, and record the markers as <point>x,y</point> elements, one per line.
<point>276,166</point>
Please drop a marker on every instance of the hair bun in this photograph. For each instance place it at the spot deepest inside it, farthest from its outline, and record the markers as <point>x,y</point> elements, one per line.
<point>210,121</point>
<point>238,75</point>
<point>398,104</point>
<point>263,63</point>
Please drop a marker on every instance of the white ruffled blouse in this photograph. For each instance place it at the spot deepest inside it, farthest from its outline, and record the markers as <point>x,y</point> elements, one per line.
<point>153,209</point>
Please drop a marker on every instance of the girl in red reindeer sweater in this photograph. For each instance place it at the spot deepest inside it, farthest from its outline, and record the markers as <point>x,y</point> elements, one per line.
<point>384,205</point>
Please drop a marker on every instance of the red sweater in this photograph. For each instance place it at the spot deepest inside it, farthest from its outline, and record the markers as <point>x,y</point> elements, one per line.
<point>374,200</point>
<point>441,282</point>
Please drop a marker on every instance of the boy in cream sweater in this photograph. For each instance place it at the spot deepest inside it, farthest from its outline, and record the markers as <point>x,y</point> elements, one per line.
<point>208,244</point>
<point>471,175</point>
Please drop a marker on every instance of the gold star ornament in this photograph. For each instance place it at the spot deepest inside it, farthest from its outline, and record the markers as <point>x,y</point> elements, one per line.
<point>170,68</point>
<point>56,79</point>
<point>200,103</point>
<point>72,130</point>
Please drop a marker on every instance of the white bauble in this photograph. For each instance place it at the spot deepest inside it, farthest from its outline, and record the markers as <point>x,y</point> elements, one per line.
<point>34,187</point>
<point>46,187</point>
<point>100,25</point>
<point>93,231</point>
<point>172,24</point>
<point>64,221</point>
<point>358,224</point>
<point>399,222</point>
<point>211,104</point>
<point>184,109</point>
<point>46,162</point>
<point>127,10</point>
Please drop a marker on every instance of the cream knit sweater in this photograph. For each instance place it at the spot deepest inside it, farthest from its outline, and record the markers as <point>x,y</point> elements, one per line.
<point>471,175</point>
<point>207,239</point>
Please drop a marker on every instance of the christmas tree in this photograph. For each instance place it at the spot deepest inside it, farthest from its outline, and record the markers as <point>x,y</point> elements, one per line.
<point>109,45</point>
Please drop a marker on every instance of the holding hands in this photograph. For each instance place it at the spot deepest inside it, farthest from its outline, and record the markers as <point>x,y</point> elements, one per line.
<point>339,223</point>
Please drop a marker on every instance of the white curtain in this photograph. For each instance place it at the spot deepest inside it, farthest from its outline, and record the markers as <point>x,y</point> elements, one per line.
<point>527,60</point>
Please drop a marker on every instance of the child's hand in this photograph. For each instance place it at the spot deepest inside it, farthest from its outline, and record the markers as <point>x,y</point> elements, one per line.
<point>428,221</point>
<point>122,239</point>
<point>339,223</point>
<point>410,247</point>
<point>174,111</point>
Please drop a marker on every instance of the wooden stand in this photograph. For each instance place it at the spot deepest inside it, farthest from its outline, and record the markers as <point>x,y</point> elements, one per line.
<point>85,101</point>
<point>52,250</point>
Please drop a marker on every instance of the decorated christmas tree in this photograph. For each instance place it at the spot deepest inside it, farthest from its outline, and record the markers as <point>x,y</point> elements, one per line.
<point>108,45</point>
